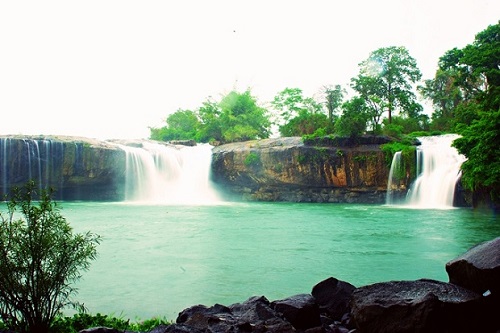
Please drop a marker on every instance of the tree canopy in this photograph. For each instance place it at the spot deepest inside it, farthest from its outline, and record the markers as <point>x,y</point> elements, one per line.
<point>385,82</point>
<point>478,67</point>
<point>298,115</point>
<point>236,117</point>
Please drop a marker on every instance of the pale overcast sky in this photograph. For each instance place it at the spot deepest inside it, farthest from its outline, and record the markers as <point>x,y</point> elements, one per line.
<point>111,68</point>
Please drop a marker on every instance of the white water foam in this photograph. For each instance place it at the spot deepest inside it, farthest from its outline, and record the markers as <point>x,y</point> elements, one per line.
<point>164,174</point>
<point>438,169</point>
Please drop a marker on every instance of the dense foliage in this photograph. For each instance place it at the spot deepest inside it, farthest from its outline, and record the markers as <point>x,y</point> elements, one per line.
<point>478,76</point>
<point>40,257</point>
<point>237,117</point>
<point>298,115</point>
<point>81,321</point>
<point>385,83</point>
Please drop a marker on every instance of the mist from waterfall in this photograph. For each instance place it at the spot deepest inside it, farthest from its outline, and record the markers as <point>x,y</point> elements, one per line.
<point>438,170</point>
<point>165,174</point>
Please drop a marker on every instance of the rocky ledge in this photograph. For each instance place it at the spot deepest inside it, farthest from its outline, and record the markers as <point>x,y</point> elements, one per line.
<point>290,169</point>
<point>468,303</point>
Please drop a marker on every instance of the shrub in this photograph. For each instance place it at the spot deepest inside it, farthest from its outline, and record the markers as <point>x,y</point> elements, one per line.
<point>39,259</point>
<point>81,321</point>
<point>252,159</point>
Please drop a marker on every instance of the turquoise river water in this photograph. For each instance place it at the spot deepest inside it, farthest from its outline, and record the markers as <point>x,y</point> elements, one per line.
<point>157,260</point>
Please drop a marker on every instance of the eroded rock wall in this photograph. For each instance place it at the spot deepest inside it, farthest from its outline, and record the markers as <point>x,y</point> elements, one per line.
<point>286,169</point>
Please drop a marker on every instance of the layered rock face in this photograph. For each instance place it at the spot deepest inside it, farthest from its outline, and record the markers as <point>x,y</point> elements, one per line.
<point>286,169</point>
<point>77,168</point>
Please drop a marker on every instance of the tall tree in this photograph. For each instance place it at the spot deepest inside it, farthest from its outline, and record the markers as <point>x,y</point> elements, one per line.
<point>386,82</point>
<point>289,103</point>
<point>445,96</point>
<point>333,99</point>
<point>298,115</point>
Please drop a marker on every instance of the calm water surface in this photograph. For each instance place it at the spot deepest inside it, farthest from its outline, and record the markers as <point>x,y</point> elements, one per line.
<point>158,260</point>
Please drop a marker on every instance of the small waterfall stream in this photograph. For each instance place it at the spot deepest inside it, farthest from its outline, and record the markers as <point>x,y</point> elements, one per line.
<point>394,176</point>
<point>438,170</point>
<point>34,159</point>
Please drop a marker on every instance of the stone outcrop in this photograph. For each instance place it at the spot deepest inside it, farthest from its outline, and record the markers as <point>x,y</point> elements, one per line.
<point>333,296</point>
<point>414,306</point>
<point>286,169</point>
<point>77,168</point>
<point>478,269</point>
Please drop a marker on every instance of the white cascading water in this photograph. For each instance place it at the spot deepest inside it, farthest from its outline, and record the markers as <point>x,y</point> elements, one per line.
<point>161,174</point>
<point>438,170</point>
<point>393,180</point>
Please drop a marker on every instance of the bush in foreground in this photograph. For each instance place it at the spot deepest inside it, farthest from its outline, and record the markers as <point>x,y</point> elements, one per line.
<point>40,258</point>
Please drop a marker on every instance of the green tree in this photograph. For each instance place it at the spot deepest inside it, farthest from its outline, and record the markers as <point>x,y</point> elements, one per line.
<point>237,117</point>
<point>354,119</point>
<point>479,117</point>
<point>298,115</point>
<point>445,96</point>
<point>210,128</point>
<point>181,125</point>
<point>479,143</point>
<point>333,99</point>
<point>307,123</point>
<point>39,259</point>
<point>289,103</point>
<point>242,119</point>
<point>385,82</point>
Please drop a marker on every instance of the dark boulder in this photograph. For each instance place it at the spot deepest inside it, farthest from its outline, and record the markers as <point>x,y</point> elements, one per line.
<point>300,310</point>
<point>416,306</point>
<point>253,315</point>
<point>333,297</point>
<point>196,312</point>
<point>255,309</point>
<point>478,269</point>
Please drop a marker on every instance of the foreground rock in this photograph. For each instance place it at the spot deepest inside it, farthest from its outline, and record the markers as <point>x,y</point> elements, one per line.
<point>299,313</point>
<point>333,297</point>
<point>478,269</point>
<point>415,306</point>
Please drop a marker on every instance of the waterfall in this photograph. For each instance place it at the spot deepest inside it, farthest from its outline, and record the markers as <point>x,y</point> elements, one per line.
<point>439,170</point>
<point>164,174</point>
<point>30,159</point>
<point>394,177</point>
<point>4,153</point>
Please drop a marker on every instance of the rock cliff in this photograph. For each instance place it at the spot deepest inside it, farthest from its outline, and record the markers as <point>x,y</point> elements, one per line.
<point>77,168</point>
<point>287,169</point>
